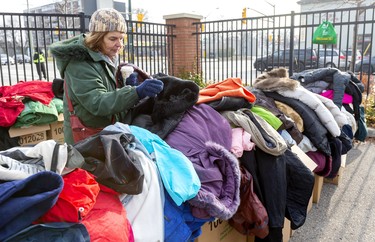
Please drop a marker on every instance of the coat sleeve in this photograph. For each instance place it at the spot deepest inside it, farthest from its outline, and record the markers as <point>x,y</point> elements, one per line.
<point>94,94</point>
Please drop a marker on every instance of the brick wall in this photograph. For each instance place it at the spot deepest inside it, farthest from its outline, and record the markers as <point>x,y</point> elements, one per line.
<point>184,49</point>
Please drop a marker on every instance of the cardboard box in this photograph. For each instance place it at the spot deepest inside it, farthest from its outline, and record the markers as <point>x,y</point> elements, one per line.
<point>310,205</point>
<point>32,139</point>
<point>337,178</point>
<point>287,231</point>
<point>343,160</point>
<point>318,186</point>
<point>30,135</point>
<point>56,131</point>
<point>306,160</point>
<point>220,231</point>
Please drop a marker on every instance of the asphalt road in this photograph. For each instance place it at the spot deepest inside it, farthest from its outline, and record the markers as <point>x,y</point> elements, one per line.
<point>345,212</point>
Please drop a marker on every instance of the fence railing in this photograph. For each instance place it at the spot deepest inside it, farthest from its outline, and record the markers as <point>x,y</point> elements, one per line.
<point>146,44</point>
<point>246,47</point>
<point>227,48</point>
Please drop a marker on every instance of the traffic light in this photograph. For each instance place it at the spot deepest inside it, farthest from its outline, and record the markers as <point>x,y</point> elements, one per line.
<point>140,17</point>
<point>244,15</point>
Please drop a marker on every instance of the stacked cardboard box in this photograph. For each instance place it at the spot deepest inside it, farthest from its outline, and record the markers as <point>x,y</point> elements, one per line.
<point>30,135</point>
<point>220,231</point>
<point>337,178</point>
<point>56,131</point>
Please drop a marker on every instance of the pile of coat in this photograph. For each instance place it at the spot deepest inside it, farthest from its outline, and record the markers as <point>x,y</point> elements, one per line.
<point>25,104</point>
<point>186,157</point>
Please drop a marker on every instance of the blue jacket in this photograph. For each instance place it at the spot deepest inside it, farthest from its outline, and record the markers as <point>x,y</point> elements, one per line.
<point>24,201</point>
<point>179,224</point>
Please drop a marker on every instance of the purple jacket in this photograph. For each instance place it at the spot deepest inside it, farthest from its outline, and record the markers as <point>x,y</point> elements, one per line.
<point>204,136</point>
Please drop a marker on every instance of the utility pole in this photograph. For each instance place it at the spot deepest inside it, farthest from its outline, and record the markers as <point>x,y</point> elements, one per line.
<point>130,34</point>
<point>355,32</point>
<point>272,5</point>
<point>130,9</point>
<point>29,33</point>
<point>273,25</point>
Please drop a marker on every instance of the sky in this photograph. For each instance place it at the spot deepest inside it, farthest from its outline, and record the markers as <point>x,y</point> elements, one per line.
<point>208,9</point>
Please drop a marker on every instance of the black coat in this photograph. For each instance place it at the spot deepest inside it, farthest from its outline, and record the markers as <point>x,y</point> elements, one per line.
<point>283,184</point>
<point>163,113</point>
<point>313,128</point>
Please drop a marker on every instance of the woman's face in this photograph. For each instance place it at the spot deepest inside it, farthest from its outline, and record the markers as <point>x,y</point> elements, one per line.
<point>112,43</point>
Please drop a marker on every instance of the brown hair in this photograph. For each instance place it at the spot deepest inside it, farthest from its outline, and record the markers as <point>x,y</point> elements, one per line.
<point>94,40</point>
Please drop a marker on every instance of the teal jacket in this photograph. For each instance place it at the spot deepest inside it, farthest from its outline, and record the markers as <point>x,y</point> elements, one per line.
<point>91,85</point>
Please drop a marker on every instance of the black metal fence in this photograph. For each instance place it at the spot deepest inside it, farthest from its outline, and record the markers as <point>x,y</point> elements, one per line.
<point>146,44</point>
<point>246,47</point>
<point>226,48</point>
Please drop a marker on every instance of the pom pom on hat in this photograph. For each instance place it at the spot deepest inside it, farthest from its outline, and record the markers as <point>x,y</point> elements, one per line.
<point>107,20</point>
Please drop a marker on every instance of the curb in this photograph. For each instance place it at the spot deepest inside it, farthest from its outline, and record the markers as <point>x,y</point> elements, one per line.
<point>370,132</point>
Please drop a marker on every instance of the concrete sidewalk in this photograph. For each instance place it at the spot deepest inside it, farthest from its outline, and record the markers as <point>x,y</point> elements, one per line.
<point>345,212</point>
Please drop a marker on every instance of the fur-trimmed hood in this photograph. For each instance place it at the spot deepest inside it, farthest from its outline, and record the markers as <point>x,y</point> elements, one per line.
<point>72,49</point>
<point>69,49</point>
<point>222,205</point>
<point>275,80</point>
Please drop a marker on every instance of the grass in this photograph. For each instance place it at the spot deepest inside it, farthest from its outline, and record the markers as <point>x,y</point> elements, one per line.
<point>369,105</point>
<point>368,101</point>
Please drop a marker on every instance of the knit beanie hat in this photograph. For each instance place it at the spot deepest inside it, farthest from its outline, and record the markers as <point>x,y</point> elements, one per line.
<point>107,20</point>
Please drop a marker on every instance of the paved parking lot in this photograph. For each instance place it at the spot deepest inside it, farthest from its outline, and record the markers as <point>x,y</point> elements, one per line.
<point>345,212</point>
<point>11,74</point>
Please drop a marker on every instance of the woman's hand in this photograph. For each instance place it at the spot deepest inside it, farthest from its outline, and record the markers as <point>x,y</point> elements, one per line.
<point>149,88</point>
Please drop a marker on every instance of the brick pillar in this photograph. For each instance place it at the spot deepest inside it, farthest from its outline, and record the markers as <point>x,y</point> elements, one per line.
<point>184,50</point>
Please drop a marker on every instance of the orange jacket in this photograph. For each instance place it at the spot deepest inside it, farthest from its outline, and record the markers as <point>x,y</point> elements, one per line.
<point>231,87</point>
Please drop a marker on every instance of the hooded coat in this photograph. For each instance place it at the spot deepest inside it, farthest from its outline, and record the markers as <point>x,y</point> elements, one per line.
<point>279,82</point>
<point>271,105</point>
<point>91,85</point>
<point>337,79</point>
<point>205,137</point>
<point>313,128</point>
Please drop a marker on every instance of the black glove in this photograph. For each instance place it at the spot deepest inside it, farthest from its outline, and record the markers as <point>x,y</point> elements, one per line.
<point>149,88</point>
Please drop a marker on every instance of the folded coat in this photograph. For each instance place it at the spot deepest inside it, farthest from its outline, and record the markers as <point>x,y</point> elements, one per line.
<point>24,201</point>
<point>231,87</point>
<point>262,134</point>
<point>204,136</point>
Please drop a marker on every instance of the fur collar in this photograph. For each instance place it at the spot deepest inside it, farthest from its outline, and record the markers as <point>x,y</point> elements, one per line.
<point>71,49</point>
<point>275,80</point>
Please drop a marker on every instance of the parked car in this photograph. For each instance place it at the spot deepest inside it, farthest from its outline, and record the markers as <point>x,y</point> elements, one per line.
<point>349,52</point>
<point>366,65</point>
<point>303,59</point>
<point>5,58</point>
<point>333,58</point>
<point>19,58</point>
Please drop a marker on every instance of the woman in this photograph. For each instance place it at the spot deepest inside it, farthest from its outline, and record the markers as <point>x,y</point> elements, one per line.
<point>88,63</point>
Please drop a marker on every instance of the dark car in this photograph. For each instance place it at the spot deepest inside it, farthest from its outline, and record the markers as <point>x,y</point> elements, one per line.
<point>366,65</point>
<point>19,58</point>
<point>303,59</point>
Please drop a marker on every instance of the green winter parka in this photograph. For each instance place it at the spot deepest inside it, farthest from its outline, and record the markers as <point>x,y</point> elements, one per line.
<point>91,84</point>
